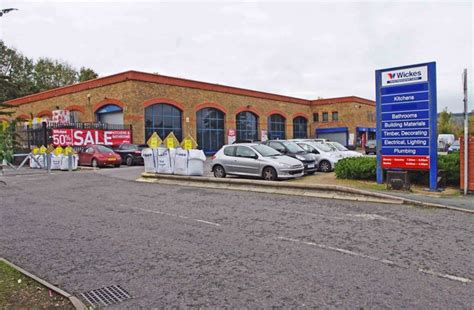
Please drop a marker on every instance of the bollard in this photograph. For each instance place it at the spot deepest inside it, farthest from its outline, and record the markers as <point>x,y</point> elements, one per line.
<point>69,162</point>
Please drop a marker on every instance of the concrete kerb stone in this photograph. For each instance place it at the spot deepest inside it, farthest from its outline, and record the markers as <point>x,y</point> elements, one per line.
<point>74,300</point>
<point>282,187</point>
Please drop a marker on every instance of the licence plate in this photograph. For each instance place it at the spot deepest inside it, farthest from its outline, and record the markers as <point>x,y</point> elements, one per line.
<point>310,165</point>
<point>111,158</point>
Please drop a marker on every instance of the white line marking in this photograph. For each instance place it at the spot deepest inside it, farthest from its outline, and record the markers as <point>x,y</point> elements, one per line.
<point>381,260</point>
<point>446,276</point>
<point>344,251</point>
<point>179,216</point>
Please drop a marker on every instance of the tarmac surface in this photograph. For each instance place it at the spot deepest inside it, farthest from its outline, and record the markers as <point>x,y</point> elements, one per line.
<point>190,247</point>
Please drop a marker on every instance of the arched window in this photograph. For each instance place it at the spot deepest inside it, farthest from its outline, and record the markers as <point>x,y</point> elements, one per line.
<point>276,127</point>
<point>210,129</point>
<point>247,126</point>
<point>110,114</point>
<point>300,128</point>
<point>163,118</point>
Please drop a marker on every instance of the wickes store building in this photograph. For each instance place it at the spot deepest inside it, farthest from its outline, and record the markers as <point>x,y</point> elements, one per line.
<point>213,114</point>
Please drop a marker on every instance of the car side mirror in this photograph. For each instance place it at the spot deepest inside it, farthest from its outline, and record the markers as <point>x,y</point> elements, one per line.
<point>255,156</point>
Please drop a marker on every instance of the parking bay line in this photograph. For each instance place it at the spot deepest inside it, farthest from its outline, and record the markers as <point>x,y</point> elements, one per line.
<point>179,216</point>
<point>380,260</point>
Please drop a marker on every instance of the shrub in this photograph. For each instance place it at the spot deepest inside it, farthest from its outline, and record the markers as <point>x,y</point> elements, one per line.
<point>451,165</point>
<point>360,168</point>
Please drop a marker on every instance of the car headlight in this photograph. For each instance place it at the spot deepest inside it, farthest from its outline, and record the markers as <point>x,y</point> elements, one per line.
<point>300,157</point>
<point>285,165</point>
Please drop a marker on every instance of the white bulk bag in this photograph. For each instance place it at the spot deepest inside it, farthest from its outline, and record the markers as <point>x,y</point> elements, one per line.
<point>165,161</point>
<point>41,159</point>
<point>56,161</point>
<point>65,162</point>
<point>196,159</point>
<point>149,160</point>
<point>181,162</point>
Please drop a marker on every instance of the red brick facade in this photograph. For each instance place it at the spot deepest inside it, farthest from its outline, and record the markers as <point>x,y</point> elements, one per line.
<point>134,91</point>
<point>470,160</point>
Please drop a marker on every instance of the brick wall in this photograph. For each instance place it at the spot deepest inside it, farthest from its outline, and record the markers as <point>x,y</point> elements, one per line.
<point>133,96</point>
<point>470,158</point>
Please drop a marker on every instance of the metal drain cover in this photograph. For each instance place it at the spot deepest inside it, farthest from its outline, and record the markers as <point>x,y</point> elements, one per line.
<point>106,296</point>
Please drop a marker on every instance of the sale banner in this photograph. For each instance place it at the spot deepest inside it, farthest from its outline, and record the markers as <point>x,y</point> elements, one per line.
<point>83,137</point>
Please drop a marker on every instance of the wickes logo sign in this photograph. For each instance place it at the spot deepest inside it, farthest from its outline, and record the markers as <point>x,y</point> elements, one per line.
<point>405,76</point>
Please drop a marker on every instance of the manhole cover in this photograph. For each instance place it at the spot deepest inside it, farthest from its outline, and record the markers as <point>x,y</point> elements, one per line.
<point>106,296</point>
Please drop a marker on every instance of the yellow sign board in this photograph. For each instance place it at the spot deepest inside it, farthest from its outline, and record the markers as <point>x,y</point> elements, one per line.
<point>50,149</point>
<point>171,141</point>
<point>58,151</point>
<point>35,151</point>
<point>154,141</point>
<point>42,149</point>
<point>189,143</point>
<point>68,150</point>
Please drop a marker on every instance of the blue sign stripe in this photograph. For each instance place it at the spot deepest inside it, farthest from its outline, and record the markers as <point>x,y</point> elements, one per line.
<point>405,133</point>
<point>402,116</point>
<point>404,89</point>
<point>406,142</point>
<point>410,151</point>
<point>395,125</point>
<point>408,97</point>
<point>424,105</point>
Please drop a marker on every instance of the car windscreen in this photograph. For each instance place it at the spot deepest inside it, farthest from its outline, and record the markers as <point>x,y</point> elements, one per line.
<point>339,146</point>
<point>142,146</point>
<point>323,147</point>
<point>456,143</point>
<point>292,147</point>
<point>265,151</point>
<point>103,149</point>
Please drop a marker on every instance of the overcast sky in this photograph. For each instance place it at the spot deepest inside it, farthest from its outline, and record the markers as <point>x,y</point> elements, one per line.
<point>302,49</point>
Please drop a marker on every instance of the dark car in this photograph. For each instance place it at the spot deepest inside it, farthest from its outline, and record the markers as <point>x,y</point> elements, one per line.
<point>131,154</point>
<point>292,149</point>
<point>371,147</point>
<point>98,156</point>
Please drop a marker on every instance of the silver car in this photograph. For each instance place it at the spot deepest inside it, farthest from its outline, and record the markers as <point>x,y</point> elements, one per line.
<point>326,158</point>
<point>251,159</point>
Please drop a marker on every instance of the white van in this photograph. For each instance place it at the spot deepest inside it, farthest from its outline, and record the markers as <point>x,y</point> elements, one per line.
<point>445,141</point>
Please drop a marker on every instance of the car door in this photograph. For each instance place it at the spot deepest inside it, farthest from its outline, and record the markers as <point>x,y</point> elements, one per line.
<point>229,160</point>
<point>86,155</point>
<point>247,161</point>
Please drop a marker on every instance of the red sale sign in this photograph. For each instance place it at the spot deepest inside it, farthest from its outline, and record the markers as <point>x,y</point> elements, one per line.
<point>83,137</point>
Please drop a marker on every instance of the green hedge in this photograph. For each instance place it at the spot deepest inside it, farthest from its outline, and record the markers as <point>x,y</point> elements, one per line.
<point>359,168</point>
<point>363,168</point>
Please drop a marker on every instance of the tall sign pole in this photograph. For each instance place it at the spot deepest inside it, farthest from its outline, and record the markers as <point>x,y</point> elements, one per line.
<point>407,120</point>
<point>466,131</point>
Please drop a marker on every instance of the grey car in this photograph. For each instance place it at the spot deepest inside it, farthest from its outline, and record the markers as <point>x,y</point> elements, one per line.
<point>251,159</point>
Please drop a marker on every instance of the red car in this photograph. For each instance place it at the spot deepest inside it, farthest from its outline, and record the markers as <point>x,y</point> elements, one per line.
<point>99,156</point>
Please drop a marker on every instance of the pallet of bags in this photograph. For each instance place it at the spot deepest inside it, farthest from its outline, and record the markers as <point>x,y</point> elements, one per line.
<point>65,162</point>
<point>165,160</point>
<point>149,159</point>
<point>39,163</point>
<point>56,161</point>
<point>189,162</point>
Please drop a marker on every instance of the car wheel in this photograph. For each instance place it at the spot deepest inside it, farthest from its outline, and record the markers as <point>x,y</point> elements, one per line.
<point>219,171</point>
<point>94,163</point>
<point>325,166</point>
<point>129,161</point>
<point>269,174</point>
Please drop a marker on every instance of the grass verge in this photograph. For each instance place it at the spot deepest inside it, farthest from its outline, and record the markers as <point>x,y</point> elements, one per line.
<point>18,291</point>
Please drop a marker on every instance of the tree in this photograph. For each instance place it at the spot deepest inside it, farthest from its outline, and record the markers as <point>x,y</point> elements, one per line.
<point>86,74</point>
<point>49,73</point>
<point>445,123</point>
<point>5,109</point>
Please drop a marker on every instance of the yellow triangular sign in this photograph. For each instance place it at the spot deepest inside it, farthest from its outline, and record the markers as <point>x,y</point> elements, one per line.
<point>50,149</point>
<point>188,143</point>
<point>154,141</point>
<point>171,141</point>
<point>58,151</point>
<point>42,149</point>
<point>68,150</point>
<point>35,151</point>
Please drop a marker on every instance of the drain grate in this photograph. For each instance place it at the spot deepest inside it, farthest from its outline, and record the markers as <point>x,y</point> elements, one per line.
<point>106,296</point>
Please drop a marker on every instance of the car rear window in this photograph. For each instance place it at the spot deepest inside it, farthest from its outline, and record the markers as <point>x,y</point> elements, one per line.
<point>229,151</point>
<point>103,149</point>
